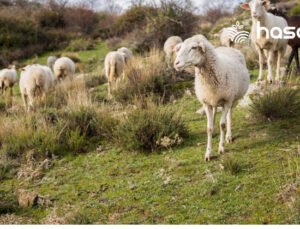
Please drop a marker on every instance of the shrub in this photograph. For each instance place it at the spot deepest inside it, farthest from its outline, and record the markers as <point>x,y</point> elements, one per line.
<point>147,77</point>
<point>295,11</point>
<point>151,129</point>
<point>80,44</point>
<point>274,104</point>
<point>232,165</point>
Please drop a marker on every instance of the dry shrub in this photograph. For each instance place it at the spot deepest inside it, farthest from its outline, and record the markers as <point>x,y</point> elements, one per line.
<point>147,76</point>
<point>152,128</point>
<point>278,103</point>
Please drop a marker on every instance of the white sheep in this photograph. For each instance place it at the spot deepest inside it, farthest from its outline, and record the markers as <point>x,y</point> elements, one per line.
<point>222,79</point>
<point>8,78</point>
<point>63,68</point>
<point>170,48</point>
<point>114,67</point>
<point>226,36</point>
<point>274,49</point>
<point>35,81</point>
<point>51,61</point>
<point>127,53</point>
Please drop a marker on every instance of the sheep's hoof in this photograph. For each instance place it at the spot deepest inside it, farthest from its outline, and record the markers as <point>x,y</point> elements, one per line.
<point>270,81</point>
<point>207,158</point>
<point>221,150</point>
<point>229,139</point>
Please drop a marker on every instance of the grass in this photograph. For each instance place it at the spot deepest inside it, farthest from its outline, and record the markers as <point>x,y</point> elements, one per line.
<point>172,186</point>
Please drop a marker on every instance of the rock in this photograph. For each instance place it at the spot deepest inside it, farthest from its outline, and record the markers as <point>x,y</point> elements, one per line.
<point>27,199</point>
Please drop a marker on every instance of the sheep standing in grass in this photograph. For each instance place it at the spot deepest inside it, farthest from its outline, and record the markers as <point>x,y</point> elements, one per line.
<point>8,78</point>
<point>127,53</point>
<point>36,80</point>
<point>222,78</point>
<point>273,48</point>
<point>170,48</point>
<point>63,68</point>
<point>51,61</point>
<point>114,66</point>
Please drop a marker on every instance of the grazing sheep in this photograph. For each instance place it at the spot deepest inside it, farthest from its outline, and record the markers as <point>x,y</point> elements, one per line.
<point>126,52</point>
<point>169,48</point>
<point>36,80</point>
<point>63,68</point>
<point>226,37</point>
<point>273,48</point>
<point>8,78</point>
<point>51,61</point>
<point>222,79</point>
<point>114,66</point>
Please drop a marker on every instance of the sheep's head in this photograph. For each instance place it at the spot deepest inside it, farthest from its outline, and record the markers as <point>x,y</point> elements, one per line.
<point>191,53</point>
<point>257,7</point>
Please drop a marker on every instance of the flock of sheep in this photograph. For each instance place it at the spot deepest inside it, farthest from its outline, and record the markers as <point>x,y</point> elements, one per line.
<point>36,80</point>
<point>221,74</point>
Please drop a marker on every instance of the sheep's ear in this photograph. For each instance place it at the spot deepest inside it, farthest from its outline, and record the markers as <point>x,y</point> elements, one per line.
<point>177,48</point>
<point>202,46</point>
<point>245,6</point>
<point>266,2</point>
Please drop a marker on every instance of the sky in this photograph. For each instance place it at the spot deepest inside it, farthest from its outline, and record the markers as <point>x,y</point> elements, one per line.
<point>200,4</point>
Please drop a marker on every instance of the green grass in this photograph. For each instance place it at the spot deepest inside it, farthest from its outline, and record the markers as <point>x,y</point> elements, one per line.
<point>176,186</point>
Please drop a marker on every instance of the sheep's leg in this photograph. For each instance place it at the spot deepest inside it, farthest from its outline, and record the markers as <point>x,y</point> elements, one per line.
<point>215,109</point>
<point>210,130</point>
<point>225,110</point>
<point>270,59</point>
<point>279,57</point>
<point>290,60</point>
<point>228,127</point>
<point>24,97</point>
<point>261,64</point>
<point>109,89</point>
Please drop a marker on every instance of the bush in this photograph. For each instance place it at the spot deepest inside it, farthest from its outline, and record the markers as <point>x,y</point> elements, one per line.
<point>80,44</point>
<point>295,11</point>
<point>146,78</point>
<point>282,103</point>
<point>151,129</point>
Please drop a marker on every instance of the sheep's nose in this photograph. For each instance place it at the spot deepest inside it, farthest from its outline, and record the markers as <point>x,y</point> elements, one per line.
<point>177,63</point>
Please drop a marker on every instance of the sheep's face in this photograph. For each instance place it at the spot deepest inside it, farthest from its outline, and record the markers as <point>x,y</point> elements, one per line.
<point>191,53</point>
<point>257,7</point>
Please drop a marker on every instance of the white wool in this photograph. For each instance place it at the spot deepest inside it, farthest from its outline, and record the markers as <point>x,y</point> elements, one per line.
<point>64,67</point>
<point>114,67</point>
<point>221,79</point>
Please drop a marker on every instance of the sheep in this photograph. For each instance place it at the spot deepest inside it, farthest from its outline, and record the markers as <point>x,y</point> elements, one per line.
<point>226,37</point>
<point>8,78</point>
<point>126,52</point>
<point>35,81</point>
<point>63,68</point>
<point>273,48</point>
<point>170,47</point>
<point>221,79</point>
<point>50,61</point>
<point>293,21</point>
<point>114,66</point>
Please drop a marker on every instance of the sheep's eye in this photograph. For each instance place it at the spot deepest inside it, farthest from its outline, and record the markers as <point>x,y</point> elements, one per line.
<point>195,47</point>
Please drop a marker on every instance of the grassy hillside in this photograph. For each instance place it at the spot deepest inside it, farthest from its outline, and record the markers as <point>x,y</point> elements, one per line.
<point>256,181</point>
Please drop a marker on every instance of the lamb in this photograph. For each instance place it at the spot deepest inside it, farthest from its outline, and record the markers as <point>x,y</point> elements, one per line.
<point>274,48</point>
<point>226,37</point>
<point>63,68</point>
<point>8,78</point>
<point>170,47</point>
<point>114,66</point>
<point>221,79</point>
<point>51,61</point>
<point>36,80</point>
<point>126,52</point>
